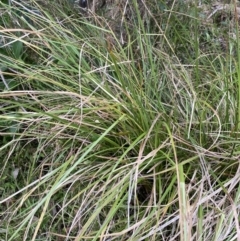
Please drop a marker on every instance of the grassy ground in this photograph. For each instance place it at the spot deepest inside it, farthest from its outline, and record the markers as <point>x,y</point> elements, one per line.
<point>103,138</point>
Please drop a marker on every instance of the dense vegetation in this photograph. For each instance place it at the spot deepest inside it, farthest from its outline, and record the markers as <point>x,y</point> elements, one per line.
<point>119,128</point>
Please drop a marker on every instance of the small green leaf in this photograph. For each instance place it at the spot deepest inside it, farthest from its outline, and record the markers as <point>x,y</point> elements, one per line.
<point>17,48</point>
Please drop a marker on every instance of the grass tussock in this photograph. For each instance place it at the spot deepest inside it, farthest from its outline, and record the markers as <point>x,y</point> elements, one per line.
<point>111,138</point>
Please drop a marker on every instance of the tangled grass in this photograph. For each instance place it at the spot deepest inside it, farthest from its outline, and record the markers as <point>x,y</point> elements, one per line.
<point>108,141</point>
